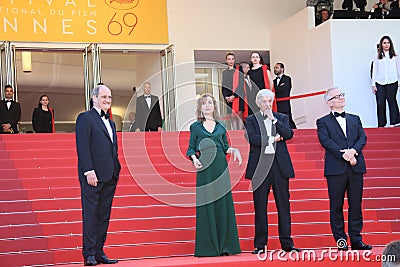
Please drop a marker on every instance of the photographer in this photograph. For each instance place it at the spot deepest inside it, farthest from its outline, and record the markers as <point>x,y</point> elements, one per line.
<point>382,9</point>
<point>360,4</point>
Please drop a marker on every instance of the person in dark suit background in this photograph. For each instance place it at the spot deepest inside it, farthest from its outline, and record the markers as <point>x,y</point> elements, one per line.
<point>343,137</point>
<point>283,86</point>
<point>10,112</point>
<point>233,92</point>
<point>360,4</point>
<point>269,164</point>
<point>148,112</point>
<point>383,9</point>
<point>132,122</point>
<point>250,89</point>
<point>98,168</point>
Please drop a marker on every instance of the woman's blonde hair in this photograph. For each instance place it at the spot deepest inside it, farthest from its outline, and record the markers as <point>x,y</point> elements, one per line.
<point>200,101</point>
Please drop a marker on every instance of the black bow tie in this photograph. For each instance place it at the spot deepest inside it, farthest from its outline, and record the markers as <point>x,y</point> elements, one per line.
<point>8,101</point>
<point>147,96</point>
<point>105,115</point>
<point>337,114</point>
<point>264,116</point>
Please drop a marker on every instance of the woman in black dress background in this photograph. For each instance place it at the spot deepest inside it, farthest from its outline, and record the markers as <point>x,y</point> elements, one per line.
<point>260,75</point>
<point>43,116</point>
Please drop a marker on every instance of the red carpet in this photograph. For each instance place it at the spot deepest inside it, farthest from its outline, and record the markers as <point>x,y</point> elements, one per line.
<point>153,212</point>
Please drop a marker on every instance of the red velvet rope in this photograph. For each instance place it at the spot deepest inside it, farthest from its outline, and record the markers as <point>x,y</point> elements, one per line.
<point>301,96</point>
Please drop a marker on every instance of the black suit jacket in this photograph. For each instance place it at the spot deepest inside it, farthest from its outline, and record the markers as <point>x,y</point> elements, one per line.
<point>132,126</point>
<point>256,134</point>
<point>283,90</point>
<point>251,96</point>
<point>148,119</point>
<point>332,138</point>
<point>96,150</point>
<point>11,116</point>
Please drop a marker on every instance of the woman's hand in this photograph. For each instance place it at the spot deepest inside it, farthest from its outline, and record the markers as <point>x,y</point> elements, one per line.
<point>236,155</point>
<point>374,89</point>
<point>197,164</point>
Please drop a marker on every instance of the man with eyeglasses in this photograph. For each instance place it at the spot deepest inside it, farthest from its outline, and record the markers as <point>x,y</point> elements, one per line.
<point>343,137</point>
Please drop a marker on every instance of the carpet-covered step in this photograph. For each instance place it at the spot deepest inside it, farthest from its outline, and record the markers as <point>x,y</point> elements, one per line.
<point>61,227</point>
<point>375,197</point>
<point>298,158</point>
<point>126,213</point>
<point>131,188</point>
<point>161,235</point>
<point>152,250</point>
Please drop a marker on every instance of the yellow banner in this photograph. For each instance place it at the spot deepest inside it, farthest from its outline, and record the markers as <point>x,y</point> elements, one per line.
<point>99,21</point>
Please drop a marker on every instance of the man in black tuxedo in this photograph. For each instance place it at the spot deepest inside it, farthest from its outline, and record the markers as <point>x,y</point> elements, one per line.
<point>10,112</point>
<point>269,165</point>
<point>343,137</point>
<point>98,169</point>
<point>148,112</point>
<point>283,86</point>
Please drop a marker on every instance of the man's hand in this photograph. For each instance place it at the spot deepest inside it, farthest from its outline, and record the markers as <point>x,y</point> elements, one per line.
<point>159,129</point>
<point>348,154</point>
<point>278,138</point>
<point>6,127</point>
<point>269,114</point>
<point>92,178</point>
<point>353,161</point>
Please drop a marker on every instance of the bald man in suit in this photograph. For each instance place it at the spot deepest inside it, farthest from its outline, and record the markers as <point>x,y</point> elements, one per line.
<point>148,112</point>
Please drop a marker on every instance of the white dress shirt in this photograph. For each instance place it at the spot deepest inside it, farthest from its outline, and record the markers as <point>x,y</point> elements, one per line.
<point>106,123</point>
<point>385,70</point>
<point>248,81</point>
<point>278,79</point>
<point>269,149</point>
<point>342,123</point>
<point>8,104</point>
<point>148,100</point>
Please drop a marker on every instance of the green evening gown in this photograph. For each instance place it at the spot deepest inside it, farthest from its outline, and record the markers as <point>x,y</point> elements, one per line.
<point>216,228</point>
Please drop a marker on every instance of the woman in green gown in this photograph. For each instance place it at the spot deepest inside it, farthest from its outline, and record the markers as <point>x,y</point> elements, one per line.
<point>216,228</point>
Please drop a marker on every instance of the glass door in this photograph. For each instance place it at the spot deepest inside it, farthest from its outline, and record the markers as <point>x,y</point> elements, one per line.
<point>169,88</point>
<point>92,70</point>
<point>7,68</point>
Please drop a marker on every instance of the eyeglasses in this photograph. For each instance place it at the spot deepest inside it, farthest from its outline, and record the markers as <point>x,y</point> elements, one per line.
<point>337,96</point>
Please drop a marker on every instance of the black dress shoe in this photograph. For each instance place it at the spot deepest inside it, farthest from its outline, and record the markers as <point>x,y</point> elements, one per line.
<point>90,261</point>
<point>258,250</point>
<point>360,246</point>
<point>291,248</point>
<point>105,260</point>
